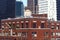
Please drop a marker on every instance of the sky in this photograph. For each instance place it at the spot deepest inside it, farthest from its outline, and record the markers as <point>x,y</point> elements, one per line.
<point>24,2</point>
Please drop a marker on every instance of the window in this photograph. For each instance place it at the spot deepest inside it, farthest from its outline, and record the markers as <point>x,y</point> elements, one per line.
<point>13,22</point>
<point>57,34</point>
<point>42,25</point>
<point>2,27</point>
<point>34,34</point>
<point>19,34</point>
<point>46,34</point>
<point>57,27</point>
<point>9,22</point>
<point>34,25</point>
<point>24,34</point>
<point>52,27</point>
<point>53,34</point>
<point>14,33</point>
<point>17,21</point>
<point>6,34</point>
<point>27,21</point>
<point>22,25</point>
<point>27,25</point>
<point>17,26</point>
<point>52,38</point>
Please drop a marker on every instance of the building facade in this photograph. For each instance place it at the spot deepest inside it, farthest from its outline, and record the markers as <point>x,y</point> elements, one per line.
<point>32,5</point>
<point>34,28</point>
<point>58,9</point>
<point>48,7</point>
<point>43,7</point>
<point>27,13</point>
<point>19,11</point>
<point>7,9</point>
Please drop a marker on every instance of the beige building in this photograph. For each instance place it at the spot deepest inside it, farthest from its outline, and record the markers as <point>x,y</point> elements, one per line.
<point>27,13</point>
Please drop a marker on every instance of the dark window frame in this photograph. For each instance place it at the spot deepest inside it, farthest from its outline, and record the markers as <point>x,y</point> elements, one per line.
<point>27,25</point>
<point>42,25</point>
<point>34,25</point>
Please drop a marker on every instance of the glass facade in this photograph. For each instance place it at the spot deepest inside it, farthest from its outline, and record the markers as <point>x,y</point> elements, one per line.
<point>19,9</point>
<point>58,9</point>
<point>7,9</point>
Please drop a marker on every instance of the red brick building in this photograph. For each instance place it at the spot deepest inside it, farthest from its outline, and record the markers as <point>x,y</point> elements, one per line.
<point>32,28</point>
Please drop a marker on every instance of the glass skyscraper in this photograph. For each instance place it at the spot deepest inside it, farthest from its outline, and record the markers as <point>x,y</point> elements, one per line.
<point>19,11</point>
<point>7,9</point>
<point>10,9</point>
<point>58,9</point>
